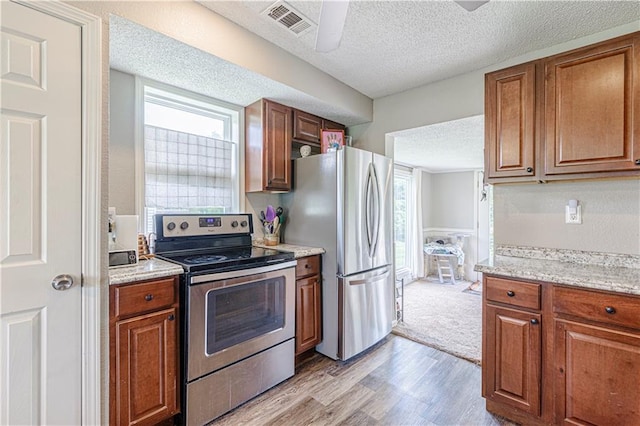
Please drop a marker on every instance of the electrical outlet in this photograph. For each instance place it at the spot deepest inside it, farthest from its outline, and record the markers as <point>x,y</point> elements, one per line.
<point>573,218</point>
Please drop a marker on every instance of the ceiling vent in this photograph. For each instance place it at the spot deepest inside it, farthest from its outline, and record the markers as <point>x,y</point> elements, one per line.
<point>288,18</point>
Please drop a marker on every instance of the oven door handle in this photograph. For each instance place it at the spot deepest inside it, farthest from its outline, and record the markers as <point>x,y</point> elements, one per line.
<point>197,279</point>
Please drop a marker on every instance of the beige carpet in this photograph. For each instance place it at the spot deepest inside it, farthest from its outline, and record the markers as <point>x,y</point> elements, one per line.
<point>444,316</point>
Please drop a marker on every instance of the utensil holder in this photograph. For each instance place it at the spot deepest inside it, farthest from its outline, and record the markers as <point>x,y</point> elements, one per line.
<point>272,239</point>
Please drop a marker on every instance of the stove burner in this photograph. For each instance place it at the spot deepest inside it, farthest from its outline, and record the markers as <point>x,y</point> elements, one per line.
<point>212,258</point>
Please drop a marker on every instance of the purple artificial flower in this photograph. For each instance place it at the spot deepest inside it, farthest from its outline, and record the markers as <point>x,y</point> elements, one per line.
<point>271,214</point>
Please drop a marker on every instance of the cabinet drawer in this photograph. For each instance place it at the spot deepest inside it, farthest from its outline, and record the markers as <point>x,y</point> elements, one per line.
<point>516,293</point>
<point>609,308</point>
<point>309,265</point>
<point>134,298</point>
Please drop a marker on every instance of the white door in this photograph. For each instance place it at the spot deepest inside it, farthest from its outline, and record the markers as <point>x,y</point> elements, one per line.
<point>40,218</point>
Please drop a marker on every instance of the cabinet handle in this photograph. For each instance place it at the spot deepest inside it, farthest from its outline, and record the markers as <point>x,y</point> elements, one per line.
<point>511,293</point>
<point>148,297</point>
<point>637,162</point>
<point>171,317</point>
<point>534,321</point>
<point>307,266</point>
<point>610,310</point>
<point>529,169</point>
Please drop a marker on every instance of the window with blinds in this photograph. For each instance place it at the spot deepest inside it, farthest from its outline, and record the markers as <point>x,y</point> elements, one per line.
<point>190,154</point>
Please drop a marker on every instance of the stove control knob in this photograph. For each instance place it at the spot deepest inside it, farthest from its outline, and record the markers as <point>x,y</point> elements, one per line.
<point>184,225</point>
<point>234,224</point>
<point>171,226</point>
<point>243,223</point>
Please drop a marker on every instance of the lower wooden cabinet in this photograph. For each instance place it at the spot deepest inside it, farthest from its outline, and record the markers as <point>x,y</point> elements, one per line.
<point>574,360</point>
<point>597,357</point>
<point>144,352</point>
<point>308,304</point>
<point>512,366</point>
<point>597,375</point>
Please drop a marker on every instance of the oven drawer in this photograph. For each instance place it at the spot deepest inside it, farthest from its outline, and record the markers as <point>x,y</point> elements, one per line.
<point>515,293</point>
<point>615,309</point>
<point>307,266</point>
<point>136,298</point>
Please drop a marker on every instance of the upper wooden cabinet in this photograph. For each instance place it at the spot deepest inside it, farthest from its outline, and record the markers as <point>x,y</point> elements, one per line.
<point>306,127</point>
<point>591,123</point>
<point>572,115</point>
<point>510,114</point>
<point>272,132</point>
<point>332,125</point>
<point>268,147</point>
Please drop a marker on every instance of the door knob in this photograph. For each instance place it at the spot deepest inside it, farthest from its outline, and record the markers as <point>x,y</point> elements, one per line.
<point>62,282</point>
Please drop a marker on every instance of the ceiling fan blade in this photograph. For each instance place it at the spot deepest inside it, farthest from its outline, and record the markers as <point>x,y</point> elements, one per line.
<point>472,4</point>
<point>330,25</point>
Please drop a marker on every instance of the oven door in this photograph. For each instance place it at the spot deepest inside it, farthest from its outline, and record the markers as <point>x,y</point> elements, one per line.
<point>233,315</point>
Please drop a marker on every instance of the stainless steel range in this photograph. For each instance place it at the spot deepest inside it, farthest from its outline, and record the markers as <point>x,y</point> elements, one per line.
<point>238,316</point>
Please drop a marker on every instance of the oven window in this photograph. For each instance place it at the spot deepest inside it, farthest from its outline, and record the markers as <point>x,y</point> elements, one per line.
<point>240,313</point>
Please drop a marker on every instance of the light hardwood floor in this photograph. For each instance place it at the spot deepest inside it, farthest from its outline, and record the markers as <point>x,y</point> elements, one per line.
<point>397,382</point>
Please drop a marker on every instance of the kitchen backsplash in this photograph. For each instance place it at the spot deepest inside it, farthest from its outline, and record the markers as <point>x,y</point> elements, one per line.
<point>534,215</point>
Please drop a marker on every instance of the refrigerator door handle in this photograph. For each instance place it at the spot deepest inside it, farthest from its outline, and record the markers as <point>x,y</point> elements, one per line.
<point>379,277</point>
<point>376,210</point>
<point>367,216</point>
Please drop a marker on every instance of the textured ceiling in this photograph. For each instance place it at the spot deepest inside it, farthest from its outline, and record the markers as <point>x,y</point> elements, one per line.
<point>387,47</point>
<point>444,147</point>
<point>392,46</point>
<point>140,51</point>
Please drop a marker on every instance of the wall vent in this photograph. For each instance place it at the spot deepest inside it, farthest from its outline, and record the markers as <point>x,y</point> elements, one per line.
<point>289,18</point>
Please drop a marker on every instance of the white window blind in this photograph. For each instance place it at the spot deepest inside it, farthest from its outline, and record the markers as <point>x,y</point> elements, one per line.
<point>190,155</point>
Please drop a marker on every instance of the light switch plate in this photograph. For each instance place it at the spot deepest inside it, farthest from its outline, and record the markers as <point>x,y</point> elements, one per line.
<point>573,219</point>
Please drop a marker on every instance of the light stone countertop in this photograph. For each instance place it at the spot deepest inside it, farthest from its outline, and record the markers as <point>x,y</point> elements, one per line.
<point>601,271</point>
<point>144,270</point>
<point>298,251</point>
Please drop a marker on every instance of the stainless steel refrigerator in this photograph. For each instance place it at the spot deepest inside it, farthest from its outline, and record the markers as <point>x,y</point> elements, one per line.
<point>342,201</point>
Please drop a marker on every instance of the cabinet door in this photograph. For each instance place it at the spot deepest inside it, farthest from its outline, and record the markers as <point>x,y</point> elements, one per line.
<point>512,358</point>
<point>332,125</point>
<point>597,374</point>
<point>308,313</point>
<point>592,124</point>
<point>277,147</point>
<point>510,127</point>
<point>306,127</point>
<point>146,368</point>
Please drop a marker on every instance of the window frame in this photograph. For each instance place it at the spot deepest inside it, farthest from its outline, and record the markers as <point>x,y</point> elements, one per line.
<point>400,173</point>
<point>176,96</point>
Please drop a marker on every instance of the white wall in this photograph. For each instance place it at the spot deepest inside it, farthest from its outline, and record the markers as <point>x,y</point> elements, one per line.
<point>449,206</point>
<point>121,143</point>
<point>533,215</point>
<point>451,203</point>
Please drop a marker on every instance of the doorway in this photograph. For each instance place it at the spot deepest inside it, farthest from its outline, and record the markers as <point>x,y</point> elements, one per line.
<point>447,158</point>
